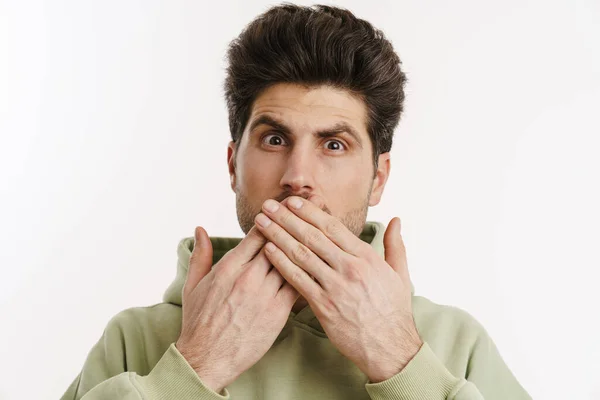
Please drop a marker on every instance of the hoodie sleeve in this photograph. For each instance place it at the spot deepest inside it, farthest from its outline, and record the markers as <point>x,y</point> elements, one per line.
<point>105,375</point>
<point>426,377</point>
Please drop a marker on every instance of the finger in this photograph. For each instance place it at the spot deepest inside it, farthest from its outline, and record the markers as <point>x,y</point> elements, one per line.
<point>249,247</point>
<point>253,274</point>
<point>200,260</point>
<point>273,281</point>
<point>298,253</point>
<point>317,201</point>
<point>304,233</point>
<point>293,274</point>
<point>329,225</point>
<point>287,294</point>
<point>261,265</point>
<point>395,252</point>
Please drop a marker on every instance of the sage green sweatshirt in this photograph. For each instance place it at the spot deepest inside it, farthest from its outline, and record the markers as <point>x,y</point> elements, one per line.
<point>136,357</point>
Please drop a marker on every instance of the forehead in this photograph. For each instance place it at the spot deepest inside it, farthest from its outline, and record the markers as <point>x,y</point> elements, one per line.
<point>311,107</point>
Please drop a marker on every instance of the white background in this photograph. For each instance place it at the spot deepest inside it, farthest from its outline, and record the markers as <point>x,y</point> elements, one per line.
<point>113,147</point>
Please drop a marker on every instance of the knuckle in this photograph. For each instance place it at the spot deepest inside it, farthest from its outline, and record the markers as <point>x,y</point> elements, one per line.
<point>285,217</point>
<point>297,277</point>
<point>301,253</point>
<point>243,284</point>
<point>246,275</point>
<point>312,237</point>
<point>333,228</point>
<point>326,306</point>
<point>353,273</point>
<point>277,235</point>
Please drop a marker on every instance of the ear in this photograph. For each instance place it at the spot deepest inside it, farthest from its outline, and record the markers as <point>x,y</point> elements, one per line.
<point>231,149</point>
<point>380,179</point>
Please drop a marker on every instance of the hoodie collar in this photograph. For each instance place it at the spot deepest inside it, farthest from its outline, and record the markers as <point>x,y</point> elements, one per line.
<point>372,233</point>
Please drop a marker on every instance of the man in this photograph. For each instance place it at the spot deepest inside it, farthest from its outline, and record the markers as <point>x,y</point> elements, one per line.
<point>312,303</point>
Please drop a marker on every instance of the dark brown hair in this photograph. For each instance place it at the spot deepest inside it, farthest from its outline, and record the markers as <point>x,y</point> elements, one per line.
<point>318,45</point>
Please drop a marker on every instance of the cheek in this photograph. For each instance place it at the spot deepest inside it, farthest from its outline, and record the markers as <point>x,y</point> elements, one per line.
<point>257,172</point>
<point>346,173</point>
<point>347,183</point>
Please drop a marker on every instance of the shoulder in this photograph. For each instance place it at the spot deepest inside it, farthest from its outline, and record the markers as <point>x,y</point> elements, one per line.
<point>430,314</point>
<point>157,318</point>
<point>154,312</point>
<point>136,338</point>
<point>450,331</point>
<point>144,329</point>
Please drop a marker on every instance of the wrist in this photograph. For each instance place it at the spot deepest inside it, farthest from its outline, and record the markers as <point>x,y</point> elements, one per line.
<point>208,372</point>
<point>390,366</point>
<point>211,381</point>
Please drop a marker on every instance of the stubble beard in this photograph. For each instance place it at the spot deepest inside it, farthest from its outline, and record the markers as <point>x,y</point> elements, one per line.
<point>354,220</point>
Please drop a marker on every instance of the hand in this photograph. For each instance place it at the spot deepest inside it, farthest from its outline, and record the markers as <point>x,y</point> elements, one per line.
<point>362,301</point>
<point>233,313</point>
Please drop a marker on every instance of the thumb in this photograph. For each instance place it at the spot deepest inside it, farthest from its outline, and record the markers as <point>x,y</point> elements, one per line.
<point>200,261</point>
<point>395,252</point>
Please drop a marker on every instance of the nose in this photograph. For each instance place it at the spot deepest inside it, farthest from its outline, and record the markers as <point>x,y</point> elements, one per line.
<point>298,176</point>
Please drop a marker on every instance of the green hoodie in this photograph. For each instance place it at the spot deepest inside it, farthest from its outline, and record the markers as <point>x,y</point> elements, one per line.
<point>136,357</point>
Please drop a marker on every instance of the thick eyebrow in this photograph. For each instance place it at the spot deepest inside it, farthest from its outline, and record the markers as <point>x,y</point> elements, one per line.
<point>339,127</point>
<point>272,122</point>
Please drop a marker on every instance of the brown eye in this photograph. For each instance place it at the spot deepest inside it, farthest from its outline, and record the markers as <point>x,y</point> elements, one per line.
<point>334,145</point>
<point>273,140</point>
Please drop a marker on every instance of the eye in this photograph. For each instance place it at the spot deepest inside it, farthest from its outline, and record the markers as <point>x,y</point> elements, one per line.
<point>334,145</point>
<point>273,140</point>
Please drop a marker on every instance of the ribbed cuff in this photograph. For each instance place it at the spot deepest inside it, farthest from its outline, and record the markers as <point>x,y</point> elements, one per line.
<point>424,377</point>
<point>173,378</point>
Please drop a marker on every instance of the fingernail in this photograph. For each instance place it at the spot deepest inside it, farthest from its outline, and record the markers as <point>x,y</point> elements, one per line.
<point>263,220</point>
<point>295,202</point>
<point>271,206</point>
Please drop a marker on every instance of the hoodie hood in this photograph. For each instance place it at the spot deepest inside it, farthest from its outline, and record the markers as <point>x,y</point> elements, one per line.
<point>372,233</point>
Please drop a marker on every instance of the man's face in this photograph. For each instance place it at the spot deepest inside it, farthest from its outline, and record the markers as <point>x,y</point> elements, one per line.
<point>303,141</point>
